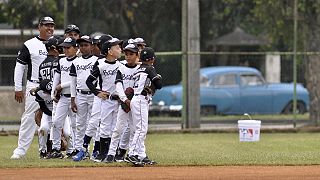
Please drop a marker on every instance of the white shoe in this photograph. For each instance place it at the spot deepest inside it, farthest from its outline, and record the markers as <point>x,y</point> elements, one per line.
<point>16,156</point>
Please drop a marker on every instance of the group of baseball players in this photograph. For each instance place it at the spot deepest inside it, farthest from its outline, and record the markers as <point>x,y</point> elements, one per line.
<point>79,90</point>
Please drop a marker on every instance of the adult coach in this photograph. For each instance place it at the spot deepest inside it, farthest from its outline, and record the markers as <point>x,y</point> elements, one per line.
<point>32,54</point>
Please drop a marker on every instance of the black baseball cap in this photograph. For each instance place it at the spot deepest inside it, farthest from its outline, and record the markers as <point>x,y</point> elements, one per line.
<point>72,27</point>
<point>147,54</point>
<point>102,39</point>
<point>45,85</point>
<point>95,39</point>
<point>51,43</point>
<point>46,20</point>
<point>108,44</point>
<point>140,41</point>
<point>68,42</point>
<point>126,42</point>
<point>131,47</point>
<point>84,38</point>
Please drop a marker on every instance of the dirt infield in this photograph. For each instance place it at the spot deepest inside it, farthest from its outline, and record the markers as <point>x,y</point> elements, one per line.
<point>194,172</point>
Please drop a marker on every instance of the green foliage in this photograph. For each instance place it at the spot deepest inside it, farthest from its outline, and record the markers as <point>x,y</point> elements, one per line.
<point>26,13</point>
<point>196,149</point>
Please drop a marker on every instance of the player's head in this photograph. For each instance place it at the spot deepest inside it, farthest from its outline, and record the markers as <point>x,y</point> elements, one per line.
<point>46,86</point>
<point>46,27</point>
<point>102,39</point>
<point>131,53</point>
<point>112,48</point>
<point>95,48</point>
<point>140,43</point>
<point>72,31</point>
<point>60,40</point>
<point>70,47</point>
<point>147,55</point>
<point>52,46</point>
<point>85,44</point>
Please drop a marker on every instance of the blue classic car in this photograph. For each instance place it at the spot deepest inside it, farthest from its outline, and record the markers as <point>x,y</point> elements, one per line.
<point>234,90</point>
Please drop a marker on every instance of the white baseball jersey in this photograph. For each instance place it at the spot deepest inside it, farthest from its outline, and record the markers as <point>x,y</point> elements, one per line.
<point>143,78</point>
<point>33,53</point>
<point>63,69</point>
<point>81,68</point>
<point>107,71</point>
<point>125,75</point>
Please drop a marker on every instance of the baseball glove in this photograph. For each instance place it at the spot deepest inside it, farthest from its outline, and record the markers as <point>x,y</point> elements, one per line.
<point>38,116</point>
<point>57,94</point>
<point>149,89</point>
<point>129,92</point>
<point>64,143</point>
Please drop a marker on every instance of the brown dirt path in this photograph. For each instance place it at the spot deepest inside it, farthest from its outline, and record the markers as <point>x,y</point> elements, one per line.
<point>194,172</point>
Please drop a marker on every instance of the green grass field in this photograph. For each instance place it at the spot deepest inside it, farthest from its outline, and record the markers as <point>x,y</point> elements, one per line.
<point>196,150</point>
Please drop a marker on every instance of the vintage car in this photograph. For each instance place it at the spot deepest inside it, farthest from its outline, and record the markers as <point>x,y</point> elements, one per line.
<point>234,90</point>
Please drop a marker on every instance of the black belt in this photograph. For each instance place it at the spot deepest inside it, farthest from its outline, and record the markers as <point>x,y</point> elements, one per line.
<point>84,92</point>
<point>34,81</point>
<point>66,95</point>
<point>140,94</point>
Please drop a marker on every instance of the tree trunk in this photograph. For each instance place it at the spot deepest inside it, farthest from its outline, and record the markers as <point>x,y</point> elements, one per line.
<point>313,65</point>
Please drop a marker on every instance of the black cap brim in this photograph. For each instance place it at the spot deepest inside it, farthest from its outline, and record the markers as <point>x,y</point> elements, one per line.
<point>66,44</point>
<point>84,40</point>
<point>116,43</point>
<point>131,50</point>
<point>47,22</point>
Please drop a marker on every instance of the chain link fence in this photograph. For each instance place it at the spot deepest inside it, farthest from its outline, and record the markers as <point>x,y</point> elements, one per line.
<point>159,23</point>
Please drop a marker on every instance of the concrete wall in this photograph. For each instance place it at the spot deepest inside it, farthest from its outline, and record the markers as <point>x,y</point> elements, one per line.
<point>273,68</point>
<point>9,108</point>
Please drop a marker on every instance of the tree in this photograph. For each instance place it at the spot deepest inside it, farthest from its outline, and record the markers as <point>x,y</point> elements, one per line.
<point>277,19</point>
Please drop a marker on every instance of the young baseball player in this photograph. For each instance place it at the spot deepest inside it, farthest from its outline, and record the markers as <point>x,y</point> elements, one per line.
<point>107,71</point>
<point>72,31</point>
<point>42,94</point>
<point>63,106</point>
<point>123,81</point>
<point>146,81</point>
<point>81,96</point>
<point>45,74</point>
<point>93,126</point>
<point>31,55</point>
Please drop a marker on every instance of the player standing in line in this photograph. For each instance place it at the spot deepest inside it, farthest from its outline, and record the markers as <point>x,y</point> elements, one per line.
<point>123,81</point>
<point>64,104</point>
<point>107,70</point>
<point>146,81</point>
<point>32,54</point>
<point>93,126</point>
<point>42,94</point>
<point>72,31</point>
<point>45,74</point>
<point>81,96</point>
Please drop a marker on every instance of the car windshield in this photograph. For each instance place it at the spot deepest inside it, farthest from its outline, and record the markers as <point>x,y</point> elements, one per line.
<point>250,80</point>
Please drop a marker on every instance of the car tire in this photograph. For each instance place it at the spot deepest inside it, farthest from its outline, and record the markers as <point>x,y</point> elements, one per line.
<point>301,108</point>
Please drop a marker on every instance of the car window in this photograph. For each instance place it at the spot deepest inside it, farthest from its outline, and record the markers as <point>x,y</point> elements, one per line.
<point>225,80</point>
<point>204,81</point>
<point>250,80</point>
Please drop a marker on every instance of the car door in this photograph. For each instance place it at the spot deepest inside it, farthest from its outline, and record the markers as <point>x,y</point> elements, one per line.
<point>255,97</point>
<point>222,91</point>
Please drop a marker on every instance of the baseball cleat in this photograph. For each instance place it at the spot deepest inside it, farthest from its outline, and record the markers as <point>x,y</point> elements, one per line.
<point>100,158</point>
<point>79,156</point>
<point>56,154</point>
<point>42,154</point>
<point>148,161</point>
<point>109,159</point>
<point>94,155</point>
<point>16,156</point>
